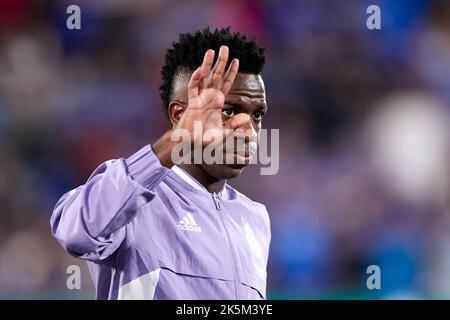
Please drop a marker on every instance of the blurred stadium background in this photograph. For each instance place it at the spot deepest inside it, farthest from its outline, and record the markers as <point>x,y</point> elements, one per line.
<point>363,118</point>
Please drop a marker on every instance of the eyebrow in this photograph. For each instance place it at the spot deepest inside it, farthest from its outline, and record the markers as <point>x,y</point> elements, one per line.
<point>237,105</point>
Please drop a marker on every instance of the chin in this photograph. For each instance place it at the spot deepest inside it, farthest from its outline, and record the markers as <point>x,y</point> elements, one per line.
<point>225,171</point>
<point>233,171</point>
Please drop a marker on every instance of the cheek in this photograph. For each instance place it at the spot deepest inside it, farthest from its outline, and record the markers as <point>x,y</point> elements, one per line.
<point>258,131</point>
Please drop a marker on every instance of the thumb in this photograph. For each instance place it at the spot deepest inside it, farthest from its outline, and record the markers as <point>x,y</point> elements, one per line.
<point>238,121</point>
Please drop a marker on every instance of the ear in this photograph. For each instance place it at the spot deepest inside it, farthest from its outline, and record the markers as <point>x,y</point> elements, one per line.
<point>175,110</point>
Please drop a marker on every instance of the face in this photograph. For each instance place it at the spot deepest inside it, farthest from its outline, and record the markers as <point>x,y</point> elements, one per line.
<point>246,96</point>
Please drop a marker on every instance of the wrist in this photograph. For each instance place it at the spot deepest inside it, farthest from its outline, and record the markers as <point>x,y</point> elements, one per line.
<point>163,149</point>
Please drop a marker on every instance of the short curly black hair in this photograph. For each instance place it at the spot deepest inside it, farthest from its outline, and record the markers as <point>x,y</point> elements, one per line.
<point>188,52</point>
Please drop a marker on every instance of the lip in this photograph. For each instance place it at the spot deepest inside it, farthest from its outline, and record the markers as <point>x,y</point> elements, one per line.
<point>241,159</point>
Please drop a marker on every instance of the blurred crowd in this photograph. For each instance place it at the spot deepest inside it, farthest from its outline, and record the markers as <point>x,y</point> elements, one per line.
<point>363,118</point>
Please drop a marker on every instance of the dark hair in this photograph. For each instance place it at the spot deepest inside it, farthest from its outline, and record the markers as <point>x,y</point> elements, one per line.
<point>188,53</point>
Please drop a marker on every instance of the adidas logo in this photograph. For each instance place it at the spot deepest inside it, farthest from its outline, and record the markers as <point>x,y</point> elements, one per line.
<point>188,223</point>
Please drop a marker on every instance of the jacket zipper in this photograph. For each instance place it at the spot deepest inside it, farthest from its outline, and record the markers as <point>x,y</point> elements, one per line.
<point>236,273</point>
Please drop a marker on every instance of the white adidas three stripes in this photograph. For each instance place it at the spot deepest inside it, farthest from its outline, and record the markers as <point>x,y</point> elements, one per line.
<point>188,224</point>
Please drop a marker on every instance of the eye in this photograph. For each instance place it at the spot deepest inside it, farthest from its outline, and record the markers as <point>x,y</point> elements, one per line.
<point>228,112</point>
<point>257,116</point>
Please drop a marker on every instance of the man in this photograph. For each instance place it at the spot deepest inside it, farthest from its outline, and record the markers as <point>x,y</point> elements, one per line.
<point>154,230</point>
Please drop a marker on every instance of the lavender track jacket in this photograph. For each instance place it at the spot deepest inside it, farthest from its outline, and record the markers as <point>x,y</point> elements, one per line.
<point>147,233</point>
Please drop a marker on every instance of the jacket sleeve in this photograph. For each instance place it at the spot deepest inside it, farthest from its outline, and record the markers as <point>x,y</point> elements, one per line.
<point>89,221</point>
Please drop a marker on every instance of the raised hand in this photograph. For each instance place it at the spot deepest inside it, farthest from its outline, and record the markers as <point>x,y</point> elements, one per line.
<point>206,90</point>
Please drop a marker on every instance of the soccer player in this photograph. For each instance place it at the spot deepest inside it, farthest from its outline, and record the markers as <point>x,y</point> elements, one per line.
<point>150,229</point>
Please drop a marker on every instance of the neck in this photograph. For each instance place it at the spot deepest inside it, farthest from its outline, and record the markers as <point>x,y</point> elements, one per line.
<point>209,182</point>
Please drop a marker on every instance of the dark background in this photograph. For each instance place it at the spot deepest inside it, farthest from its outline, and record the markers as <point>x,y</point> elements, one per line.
<point>363,118</point>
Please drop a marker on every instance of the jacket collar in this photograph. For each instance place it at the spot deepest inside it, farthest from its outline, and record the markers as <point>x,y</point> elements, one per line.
<point>193,182</point>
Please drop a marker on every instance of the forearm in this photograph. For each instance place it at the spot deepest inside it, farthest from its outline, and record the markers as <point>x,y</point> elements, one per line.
<point>163,149</point>
<point>89,221</point>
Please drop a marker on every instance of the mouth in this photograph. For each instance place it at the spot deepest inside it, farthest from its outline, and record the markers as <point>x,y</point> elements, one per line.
<point>238,160</point>
<point>241,156</point>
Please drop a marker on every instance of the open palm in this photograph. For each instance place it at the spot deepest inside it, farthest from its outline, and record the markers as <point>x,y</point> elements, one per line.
<point>207,89</point>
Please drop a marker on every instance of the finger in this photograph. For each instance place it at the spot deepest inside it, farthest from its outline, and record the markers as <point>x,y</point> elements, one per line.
<point>219,68</point>
<point>194,83</point>
<point>203,83</point>
<point>230,76</point>
<point>208,60</point>
<point>239,121</point>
